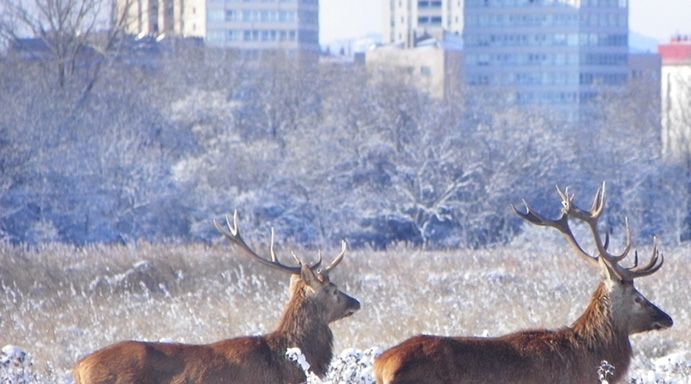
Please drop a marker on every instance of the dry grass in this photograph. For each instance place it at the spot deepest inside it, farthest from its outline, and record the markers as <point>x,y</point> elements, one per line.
<point>61,302</point>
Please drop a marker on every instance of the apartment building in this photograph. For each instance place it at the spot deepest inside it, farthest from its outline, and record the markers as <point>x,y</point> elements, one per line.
<point>558,53</point>
<point>164,17</point>
<point>676,97</point>
<point>406,20</point>
<point>290,25</point>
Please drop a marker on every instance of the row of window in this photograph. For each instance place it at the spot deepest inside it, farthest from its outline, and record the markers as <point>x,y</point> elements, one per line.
<point>273,35</point>
<point>546,59</point>
<point>215,15</point>
<point>547,78</point>
<point>549,40</point>
<point>547,3</point>
<point>422,3</point>
<point>555,98</point>
<point>429,21</point>
<point>429,3</point>
<point>308,2</point>
<point>603,19</point>
<point>546,97</point>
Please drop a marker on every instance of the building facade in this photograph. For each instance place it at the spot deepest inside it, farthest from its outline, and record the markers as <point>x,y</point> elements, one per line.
<point>406,20</point>
<point>251,25</point>
<point>184,18</point>
<point>558,53</point>
<point>289,25</point>
<point>676,97</point>
<point>434,66</point>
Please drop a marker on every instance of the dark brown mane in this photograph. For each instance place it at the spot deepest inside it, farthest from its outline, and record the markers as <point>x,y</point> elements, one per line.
<point>303,325</point>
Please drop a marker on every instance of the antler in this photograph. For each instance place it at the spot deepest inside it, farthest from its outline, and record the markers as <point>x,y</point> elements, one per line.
<point>232,232</point>
<point>325,271</point>
<point>591,218</point>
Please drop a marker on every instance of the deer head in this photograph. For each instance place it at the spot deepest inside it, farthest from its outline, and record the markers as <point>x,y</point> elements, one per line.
<point>312,279</point>
<point>633,313</point>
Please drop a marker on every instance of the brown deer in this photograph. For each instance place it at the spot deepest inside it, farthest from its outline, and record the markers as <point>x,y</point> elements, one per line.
<point>314,303</point>
<point>566,355</point>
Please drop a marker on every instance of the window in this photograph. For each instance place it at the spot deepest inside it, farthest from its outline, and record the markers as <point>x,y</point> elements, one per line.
<point>213,15</point>
<point>215,35</point>
<point>231,15</point>
<point>234,35</point>
<point>286,16</point>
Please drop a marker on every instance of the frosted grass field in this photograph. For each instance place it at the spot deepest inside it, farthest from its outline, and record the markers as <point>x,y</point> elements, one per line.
<point>60,302</point>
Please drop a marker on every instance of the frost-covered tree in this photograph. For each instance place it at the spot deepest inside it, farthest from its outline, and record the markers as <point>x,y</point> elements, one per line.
<point>72,37</point>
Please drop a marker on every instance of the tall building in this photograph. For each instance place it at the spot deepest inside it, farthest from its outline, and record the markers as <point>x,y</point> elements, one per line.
<point>171,17</point>
<point>290,25</point>
<point>558,53</point>
<point>406,20</point>
<point>676,97</point>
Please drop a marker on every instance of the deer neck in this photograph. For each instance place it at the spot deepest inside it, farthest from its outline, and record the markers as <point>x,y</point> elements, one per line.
<point>304,325</point>
<point>598,332</point>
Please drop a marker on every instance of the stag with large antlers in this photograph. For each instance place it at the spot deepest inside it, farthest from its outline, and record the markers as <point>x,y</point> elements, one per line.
<point>570,355</point>
<point>314,303</point>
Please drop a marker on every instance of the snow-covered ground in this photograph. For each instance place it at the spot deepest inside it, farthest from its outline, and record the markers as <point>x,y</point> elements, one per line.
<point>355,367</point>
<point>60,303</point>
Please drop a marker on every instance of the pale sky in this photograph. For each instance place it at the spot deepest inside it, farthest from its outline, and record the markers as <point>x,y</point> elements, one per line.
<point>350,19</point>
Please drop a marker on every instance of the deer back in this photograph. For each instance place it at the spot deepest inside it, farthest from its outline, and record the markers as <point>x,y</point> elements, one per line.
<point>314,303</point>
<point>569,355</point>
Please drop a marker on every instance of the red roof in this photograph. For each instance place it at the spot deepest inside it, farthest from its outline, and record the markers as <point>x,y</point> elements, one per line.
<point>677,51</point>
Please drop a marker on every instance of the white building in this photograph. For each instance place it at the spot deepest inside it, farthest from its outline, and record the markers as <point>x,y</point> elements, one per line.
<point>404,20</point>
<point>185,18</point>
<point>676,97</point>
<point>250,25</point>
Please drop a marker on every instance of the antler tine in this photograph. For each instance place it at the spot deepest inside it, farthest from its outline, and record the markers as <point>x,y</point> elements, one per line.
<point>316,265</point>
<point>598,205</point>
<point>313,266</point>
<point>566,200</point>
<point>591,218</point>
<point>271,248</point>
<point>233,234</point>
<point>561,224</point>
<point>337,260</point>
<point>651,267</point>
<point>615,259</point>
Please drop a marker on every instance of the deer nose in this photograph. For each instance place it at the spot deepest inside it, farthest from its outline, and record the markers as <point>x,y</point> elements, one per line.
<point>664,322</point>
<point>353,307</point>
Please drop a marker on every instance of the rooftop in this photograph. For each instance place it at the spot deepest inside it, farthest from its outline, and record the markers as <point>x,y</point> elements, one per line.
<point>677,51</point>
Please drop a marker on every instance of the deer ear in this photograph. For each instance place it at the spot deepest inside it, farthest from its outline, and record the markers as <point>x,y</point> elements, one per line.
<point>308,276</point>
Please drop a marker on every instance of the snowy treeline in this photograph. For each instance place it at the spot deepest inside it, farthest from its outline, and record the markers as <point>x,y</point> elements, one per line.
<point>156,148</point>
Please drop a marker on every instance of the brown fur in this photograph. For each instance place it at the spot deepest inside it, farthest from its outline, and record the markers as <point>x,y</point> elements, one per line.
<point>314,303</point>
<point>570,355</point>
<point>567,355</point>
